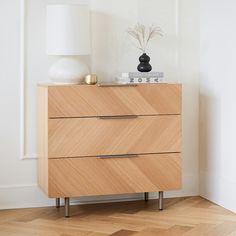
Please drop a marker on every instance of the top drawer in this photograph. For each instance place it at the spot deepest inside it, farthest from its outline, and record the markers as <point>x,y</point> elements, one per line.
<point>85,100</point>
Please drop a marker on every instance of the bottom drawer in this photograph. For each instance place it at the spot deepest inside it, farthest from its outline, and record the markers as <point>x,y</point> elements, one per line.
<point>74,177</point>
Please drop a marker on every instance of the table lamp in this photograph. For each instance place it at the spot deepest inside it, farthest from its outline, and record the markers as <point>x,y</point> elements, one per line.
<point>68,36</point>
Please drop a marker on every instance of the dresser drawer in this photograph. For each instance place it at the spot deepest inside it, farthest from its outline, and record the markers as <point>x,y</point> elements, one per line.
<point>76,177</point>
<point>74,137</point>
<point>84,100</point>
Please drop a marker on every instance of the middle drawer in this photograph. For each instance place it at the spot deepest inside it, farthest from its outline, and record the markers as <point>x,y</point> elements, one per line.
<point>74,137</point>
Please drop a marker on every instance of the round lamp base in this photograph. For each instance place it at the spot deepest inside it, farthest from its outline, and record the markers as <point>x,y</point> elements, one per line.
<point>68,70</point>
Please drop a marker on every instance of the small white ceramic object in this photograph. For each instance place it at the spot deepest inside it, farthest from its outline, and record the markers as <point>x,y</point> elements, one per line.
<point>68,70</point>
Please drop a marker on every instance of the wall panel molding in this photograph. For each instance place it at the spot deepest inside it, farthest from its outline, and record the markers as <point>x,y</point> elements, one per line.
<point>22,78</point>
<point>23,155</point>
<point>23,126</point>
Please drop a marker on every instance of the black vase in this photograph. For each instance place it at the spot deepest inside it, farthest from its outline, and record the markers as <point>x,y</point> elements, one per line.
<point>144,65</point>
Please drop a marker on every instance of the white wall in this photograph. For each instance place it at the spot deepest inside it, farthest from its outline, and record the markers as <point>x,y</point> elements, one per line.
<point>176,54</point>
<point>218,102</point>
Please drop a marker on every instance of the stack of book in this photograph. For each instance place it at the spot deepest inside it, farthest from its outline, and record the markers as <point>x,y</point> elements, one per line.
<point>140,77</point>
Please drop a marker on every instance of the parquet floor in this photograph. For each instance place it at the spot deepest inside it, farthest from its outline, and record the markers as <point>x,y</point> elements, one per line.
<point>193,216</point>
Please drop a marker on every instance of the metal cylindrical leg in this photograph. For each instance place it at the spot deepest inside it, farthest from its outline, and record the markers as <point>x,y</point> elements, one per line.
<point>146,196</point>
<point>67,207</point>
<point>57,202</point>
<point>161,193</point>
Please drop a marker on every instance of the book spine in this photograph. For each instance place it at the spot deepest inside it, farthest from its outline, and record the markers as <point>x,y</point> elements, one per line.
<point>141,80</point>
<point>143,74</point>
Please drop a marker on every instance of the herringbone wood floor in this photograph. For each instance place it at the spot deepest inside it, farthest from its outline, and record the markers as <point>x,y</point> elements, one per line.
<point>193,216</point>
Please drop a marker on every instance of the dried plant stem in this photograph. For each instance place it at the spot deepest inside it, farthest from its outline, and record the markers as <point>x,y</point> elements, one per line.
<point>143,35</point>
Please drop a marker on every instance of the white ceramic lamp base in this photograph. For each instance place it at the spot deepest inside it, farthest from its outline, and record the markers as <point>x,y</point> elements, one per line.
<point>68,70</point>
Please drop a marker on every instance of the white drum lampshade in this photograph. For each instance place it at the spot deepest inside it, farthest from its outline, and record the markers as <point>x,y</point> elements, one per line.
<point>68,35</point>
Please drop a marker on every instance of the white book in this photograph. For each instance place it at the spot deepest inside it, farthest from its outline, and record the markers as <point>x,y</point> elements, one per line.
<point>143,74</point>
<point>126,80</point>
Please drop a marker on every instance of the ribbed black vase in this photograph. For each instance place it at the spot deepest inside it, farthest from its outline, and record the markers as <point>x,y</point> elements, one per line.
<point>144,65</point>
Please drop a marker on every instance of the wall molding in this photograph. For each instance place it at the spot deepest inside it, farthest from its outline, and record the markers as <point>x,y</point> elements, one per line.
<point>23,17</point>
<point>177,32</point>
<point>23,154</point>
<point>22,78</point>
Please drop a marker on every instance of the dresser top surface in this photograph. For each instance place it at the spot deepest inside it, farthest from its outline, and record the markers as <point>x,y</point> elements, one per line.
<point>104,85</point>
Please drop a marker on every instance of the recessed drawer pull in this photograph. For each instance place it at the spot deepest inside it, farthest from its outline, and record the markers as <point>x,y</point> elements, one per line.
<point>118,117</point>
<point>117,156</point>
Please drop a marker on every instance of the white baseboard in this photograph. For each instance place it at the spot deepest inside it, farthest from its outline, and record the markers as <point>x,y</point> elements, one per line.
<point>218,189</point>
<point>26,196</point>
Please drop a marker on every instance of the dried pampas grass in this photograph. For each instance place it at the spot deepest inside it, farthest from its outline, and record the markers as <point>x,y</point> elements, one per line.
<point>143,35</point>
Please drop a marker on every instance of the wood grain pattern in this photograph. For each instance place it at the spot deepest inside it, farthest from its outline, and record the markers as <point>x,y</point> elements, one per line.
<point>193,216</point>
<point>84,100</point>
<point>92,136</point>
<point>71,134</point>
<point>42,134</point>
<point>97,176</point>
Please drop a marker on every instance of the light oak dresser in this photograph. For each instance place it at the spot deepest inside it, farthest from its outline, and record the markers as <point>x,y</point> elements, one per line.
<point>102,140</point>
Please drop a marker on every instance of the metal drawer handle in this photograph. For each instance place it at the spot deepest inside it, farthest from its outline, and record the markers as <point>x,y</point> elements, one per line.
<point>118,117</point>
<point>116,85</point>
<point>118,156</point>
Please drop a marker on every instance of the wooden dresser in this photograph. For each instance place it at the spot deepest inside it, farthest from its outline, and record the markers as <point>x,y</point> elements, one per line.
<point>100,140</point>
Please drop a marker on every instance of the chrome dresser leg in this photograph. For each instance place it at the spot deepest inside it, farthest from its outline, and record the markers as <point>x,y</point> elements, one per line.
<point>161,193</point>
<point>57,202</point>
<point>67,207</point>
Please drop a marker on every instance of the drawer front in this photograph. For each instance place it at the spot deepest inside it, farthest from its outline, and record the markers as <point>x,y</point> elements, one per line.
<point>84,100</point>
<point>76,137</point>
<point>76,177</point>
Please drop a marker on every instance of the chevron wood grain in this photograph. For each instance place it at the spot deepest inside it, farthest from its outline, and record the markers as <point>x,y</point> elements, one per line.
<point>79,123</point>
<point>91,136</point>
<point>96,176</point>
<point>198,217</point>
<point>84,100</point>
